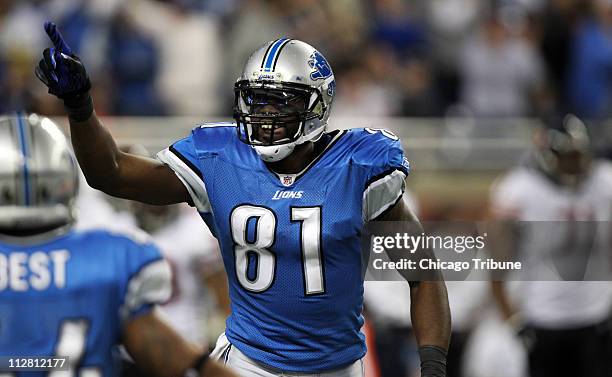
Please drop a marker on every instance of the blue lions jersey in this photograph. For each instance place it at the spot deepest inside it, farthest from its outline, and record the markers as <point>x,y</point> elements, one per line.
<point>291,243</point>
<point>70,296</point>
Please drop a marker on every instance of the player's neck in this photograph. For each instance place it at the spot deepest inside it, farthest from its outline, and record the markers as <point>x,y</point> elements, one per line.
<point>301,156</point>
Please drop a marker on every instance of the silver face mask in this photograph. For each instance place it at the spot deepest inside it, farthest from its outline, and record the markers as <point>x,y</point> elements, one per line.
<point>38,175</point>
<point>283,97</point>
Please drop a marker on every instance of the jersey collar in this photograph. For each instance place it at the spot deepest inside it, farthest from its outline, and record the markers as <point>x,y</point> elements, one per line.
<point>290,179</point>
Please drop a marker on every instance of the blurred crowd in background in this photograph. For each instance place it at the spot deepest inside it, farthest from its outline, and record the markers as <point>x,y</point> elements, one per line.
<point>480,59</point>
<point>422,58</point>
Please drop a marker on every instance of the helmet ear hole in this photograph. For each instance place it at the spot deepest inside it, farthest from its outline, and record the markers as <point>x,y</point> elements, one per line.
<point>318,109</point>
<point>43,193</point>
<point>6,195</point>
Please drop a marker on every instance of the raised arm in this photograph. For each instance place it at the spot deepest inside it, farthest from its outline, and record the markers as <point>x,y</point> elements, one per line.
<point>429,309</point>
<point>121,174</point>
<point>105,167</point>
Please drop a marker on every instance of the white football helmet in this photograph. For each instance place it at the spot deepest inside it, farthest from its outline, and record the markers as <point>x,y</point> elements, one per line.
<point>38,175</point>
<point>563,150</point>
<point>283,97</point>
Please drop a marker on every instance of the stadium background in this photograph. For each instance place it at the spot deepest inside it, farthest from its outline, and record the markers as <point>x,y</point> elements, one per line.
<point>462,82</point>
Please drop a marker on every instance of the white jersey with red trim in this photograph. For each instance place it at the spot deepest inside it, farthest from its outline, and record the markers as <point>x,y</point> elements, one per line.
<point>553,218</point>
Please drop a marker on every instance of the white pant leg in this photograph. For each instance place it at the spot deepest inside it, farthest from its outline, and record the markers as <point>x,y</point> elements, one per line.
<point>354,370</point>
<point>221,348</point>
<point>231,356</point>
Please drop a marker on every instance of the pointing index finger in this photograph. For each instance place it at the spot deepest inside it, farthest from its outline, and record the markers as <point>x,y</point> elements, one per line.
<point>57,39</point>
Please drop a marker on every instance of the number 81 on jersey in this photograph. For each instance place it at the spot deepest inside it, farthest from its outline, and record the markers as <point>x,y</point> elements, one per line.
<point>265,232</point>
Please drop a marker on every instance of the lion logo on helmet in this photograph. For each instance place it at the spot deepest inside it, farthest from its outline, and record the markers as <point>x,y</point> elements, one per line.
<point>321,67</point>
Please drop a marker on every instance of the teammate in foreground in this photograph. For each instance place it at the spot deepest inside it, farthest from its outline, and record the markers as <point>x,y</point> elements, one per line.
<point>75,294</point>
<point>287,202</point>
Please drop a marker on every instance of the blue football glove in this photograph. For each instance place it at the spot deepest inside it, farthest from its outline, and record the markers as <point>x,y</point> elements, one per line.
<point>61,70</point>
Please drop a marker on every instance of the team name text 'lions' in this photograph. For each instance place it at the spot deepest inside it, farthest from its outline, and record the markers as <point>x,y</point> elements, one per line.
<point>281,194</point>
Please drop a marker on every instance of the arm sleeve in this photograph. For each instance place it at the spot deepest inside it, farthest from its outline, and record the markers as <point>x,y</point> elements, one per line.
<point>386,177</point>
<point>182,158</point>
<point>148,280</point>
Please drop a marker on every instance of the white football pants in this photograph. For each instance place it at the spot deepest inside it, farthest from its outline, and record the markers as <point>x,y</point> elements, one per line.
<point>229,355</point>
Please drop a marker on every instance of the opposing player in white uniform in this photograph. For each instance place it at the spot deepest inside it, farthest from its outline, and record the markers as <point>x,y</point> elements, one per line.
<point>563,201</point>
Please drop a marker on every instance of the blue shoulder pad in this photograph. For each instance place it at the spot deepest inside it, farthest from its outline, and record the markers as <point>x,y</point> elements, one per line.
<point>119,242</point>
<point>210,138</point>
<point>204,139</point>
<point>185,158</point>
<point>380,153</point>
<point>143,276</point>
<point>379,150</point>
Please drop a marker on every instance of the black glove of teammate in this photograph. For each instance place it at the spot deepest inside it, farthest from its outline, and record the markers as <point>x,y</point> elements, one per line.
<point>65,76</point>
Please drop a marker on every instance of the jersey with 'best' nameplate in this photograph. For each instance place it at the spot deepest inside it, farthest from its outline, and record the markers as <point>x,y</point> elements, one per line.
<point>291,243</point>
<point>70,296</point>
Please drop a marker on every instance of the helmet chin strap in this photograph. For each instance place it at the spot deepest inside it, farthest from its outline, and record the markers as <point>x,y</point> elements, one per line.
<point>274,153</point>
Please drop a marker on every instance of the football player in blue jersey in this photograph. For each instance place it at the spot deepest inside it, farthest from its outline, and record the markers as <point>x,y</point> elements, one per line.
<point>74,294</point>
<point>287,202</point>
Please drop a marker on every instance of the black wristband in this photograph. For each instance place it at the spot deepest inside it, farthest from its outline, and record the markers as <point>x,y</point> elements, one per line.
<point>433,361</point>
<point>79,108</point>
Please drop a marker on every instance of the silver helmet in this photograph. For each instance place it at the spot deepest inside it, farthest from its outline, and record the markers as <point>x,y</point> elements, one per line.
<point>38,175</point>
<point>283,97</point>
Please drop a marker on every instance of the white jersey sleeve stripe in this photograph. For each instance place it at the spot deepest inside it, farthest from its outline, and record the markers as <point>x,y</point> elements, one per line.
<point>382,193</point>
<point>192,181</point>
<point>151,285</point>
